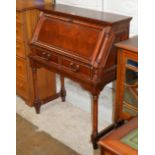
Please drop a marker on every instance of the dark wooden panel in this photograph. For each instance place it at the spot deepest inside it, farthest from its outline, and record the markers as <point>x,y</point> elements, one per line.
<point>68,35</point>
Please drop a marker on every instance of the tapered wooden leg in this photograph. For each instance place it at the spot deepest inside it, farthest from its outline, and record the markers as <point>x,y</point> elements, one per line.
<point>37,102</point>
<point>94,121</point>
<point>62,91</point>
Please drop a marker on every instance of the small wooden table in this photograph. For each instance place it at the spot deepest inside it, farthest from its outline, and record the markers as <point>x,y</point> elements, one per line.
<point>122,141</point>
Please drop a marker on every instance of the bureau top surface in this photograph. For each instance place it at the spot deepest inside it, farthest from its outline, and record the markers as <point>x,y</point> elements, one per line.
<point>22,5</point>
<point>130,44</point>
<point>85,13</point>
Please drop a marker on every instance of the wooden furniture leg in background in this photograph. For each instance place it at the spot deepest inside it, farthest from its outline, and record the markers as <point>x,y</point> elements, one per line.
<point>94,120</point>
<point>37,102</point>
<point>62,91</point>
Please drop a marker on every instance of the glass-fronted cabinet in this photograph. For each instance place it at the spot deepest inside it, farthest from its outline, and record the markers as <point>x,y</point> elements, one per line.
<point>126,105</point>
<point>130,94</point>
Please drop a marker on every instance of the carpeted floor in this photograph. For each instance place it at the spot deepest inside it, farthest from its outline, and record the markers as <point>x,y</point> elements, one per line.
<point>64,122</point>
<point>31,142</point>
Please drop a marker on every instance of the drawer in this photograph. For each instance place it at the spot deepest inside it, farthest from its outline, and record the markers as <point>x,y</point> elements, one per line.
<point>21,88</point>
<point>18,17</point>
<point>19,32</point>
<point>77,68</point>
<point>21,68</point>
<point>47,56</point>
<point>20,49</point>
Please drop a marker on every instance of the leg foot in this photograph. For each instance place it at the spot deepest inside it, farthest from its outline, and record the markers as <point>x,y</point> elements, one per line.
<point>94,142</point>
<point>37,102</point>
<point>62,91</point>
<point>119,123</point>
<point>37,108</point>
<point>63,95</point>
<point>94,121</point>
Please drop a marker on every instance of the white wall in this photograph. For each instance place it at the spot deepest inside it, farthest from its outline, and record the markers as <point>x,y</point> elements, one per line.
<point>124,7</point>
<point>75,94</point>
<point>92,4</point>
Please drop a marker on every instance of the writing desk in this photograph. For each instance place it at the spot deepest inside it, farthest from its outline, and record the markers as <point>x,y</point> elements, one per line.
<point>78,44</point>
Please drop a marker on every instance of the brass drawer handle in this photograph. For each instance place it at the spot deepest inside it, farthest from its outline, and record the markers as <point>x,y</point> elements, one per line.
<point>74,67</point>
<point>46,56</point>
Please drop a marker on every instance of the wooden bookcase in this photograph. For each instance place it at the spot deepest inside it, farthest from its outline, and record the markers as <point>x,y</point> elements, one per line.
<point>26,18</point>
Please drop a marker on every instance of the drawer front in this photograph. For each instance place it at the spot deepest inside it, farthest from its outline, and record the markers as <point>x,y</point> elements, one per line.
<point>20,49</point>
<point>21,88</point>
<point>21,68</point>
<point>47,56</point>
<point>77,68</point>
<point>19,32</point>
<point>18,17</point>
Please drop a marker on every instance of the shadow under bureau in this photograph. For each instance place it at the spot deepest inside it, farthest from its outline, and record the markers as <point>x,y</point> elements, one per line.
<point>78,44</point>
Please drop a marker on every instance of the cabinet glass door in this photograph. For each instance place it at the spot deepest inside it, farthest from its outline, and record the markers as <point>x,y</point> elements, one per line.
<point>130,99</point>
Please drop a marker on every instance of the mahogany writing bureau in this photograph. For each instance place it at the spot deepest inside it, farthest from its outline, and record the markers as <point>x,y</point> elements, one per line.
<point>78,44</point>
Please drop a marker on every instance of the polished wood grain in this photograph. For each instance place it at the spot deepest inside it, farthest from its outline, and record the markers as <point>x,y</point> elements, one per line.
<point>19,18</point>
<point>70,42</point>
<point>111,144</point>
<point>21,88</point>
<point>26,18</point>
<point>21,68</point>
<point>86,14</point>
<point>20,49</point>
<point>19,31</point>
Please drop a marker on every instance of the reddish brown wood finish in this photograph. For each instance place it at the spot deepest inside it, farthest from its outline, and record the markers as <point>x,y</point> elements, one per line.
<point>62,91</point>
<point>126,50</point>
<point>26,18</point>
<point>111,144</point>
<point>69,41</point>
